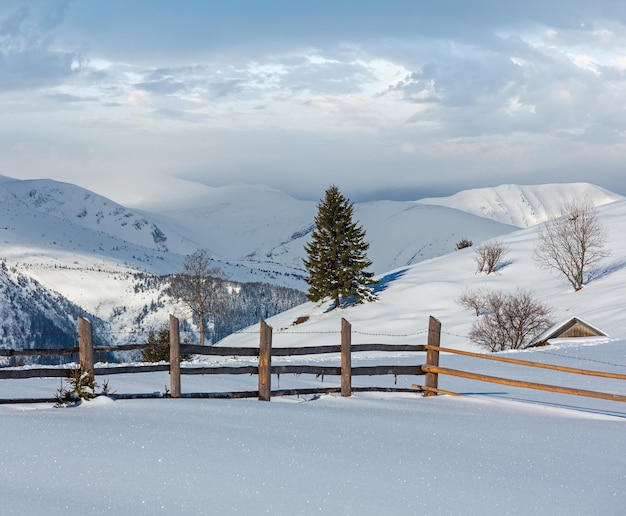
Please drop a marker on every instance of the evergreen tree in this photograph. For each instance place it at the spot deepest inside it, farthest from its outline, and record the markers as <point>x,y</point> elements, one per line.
<point>161,353</point>
<point>336,255</point>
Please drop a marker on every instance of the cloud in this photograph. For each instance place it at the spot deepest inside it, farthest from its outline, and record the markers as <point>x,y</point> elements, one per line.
<point>399,96</point>
<point>66,98</point>
<point>320,75</point>
<point>164,87</point>
<point>27,58</point>
<point>516,86</point>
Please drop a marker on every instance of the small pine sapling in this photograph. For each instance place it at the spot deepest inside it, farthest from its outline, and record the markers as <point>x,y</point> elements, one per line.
<point>80,386</point>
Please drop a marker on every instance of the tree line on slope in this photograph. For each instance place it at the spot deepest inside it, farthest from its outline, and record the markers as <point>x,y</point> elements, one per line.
<point>218,306</point>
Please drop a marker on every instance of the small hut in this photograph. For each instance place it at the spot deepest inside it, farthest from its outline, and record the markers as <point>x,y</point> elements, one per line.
<point>573,328</point>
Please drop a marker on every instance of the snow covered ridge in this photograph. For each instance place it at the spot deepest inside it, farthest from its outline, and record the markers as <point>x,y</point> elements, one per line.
<point>258,233</point>
<point>523,206</point>
<point>88,210</point>
<point>89,251</point>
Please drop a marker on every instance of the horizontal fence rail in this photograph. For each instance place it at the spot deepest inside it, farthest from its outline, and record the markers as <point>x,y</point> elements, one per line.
<point>39,372</point>
<point>434,369</point>
<point>520,383</point>
<point>564,369</point>
<point>33,352</point>
<point>194,349</point>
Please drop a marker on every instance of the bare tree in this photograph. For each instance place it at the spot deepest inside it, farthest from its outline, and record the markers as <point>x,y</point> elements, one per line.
<point>473,299</point>
<point>572,242</point>
<point>488,255</point>
<point>510,320</point>
<point>201,287</point>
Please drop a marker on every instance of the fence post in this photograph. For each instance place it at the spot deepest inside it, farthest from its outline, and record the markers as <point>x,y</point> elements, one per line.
<point>85,345</point>
<point>265,362</point>
<point>174,357</point>
<point>346,358</point>
<point>432,355</point>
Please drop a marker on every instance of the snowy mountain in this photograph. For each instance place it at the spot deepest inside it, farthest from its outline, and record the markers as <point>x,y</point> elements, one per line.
<point>263,228</point>
<point>97,256</point>
<point>32,316</point>
<point>522,206</point>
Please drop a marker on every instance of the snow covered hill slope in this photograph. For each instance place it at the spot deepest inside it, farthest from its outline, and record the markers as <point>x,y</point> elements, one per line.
<point>399,233</point>
<point>47,222</point>
<point>409,295</point>
<point>98,256</point>
<point>32,316</point>
<point>522,206</point>
<point>262,227</point>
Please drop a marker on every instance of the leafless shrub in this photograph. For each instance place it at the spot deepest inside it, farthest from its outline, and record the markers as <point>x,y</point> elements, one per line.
<point>473,299</point>
<point>488,255</point>
<point>510,320</point>
<point>572,242</point>
<point>463,243</point>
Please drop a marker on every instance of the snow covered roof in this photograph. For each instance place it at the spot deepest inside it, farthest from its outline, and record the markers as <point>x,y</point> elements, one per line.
<point>571,328</point>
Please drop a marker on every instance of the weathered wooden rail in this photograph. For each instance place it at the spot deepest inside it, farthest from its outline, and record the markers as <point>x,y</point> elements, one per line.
<point>432,368</point>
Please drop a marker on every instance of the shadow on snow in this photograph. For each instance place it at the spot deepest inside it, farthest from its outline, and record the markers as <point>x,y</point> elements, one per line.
<point>380,286</point>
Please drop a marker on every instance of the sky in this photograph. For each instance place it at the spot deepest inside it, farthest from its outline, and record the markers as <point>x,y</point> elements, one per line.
<point>400,99</point>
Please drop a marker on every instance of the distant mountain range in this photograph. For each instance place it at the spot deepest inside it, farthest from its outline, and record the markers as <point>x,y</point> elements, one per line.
<point>91,253</point>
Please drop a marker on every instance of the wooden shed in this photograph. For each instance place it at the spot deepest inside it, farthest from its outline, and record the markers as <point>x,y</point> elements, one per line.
<point>573,328</point>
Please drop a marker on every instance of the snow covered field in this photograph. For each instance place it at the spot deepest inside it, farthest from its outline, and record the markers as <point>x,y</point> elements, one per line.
<point>371,454</point>
<point>496,450</point>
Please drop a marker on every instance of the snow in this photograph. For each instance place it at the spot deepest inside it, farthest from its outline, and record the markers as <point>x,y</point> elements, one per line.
<point>254,233</point>
<point>523,206</point>
<point>409,295</point>
<point>494,450</point>
<point>369,454</point>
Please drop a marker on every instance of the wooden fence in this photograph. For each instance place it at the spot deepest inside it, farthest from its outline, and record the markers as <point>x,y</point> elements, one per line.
<point>265,369</point>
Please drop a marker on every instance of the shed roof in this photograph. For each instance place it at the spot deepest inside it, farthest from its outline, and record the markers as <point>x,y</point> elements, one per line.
<point>571,328</point>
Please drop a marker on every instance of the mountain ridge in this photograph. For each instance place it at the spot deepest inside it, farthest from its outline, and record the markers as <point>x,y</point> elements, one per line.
<point>89,251</point>
<point>536,203</point>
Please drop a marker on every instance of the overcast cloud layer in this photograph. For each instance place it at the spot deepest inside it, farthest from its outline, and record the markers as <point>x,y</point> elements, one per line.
<point>396,99</point>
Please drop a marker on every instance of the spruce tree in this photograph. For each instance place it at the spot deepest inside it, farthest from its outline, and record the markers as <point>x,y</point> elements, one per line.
<point>336,255</point>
